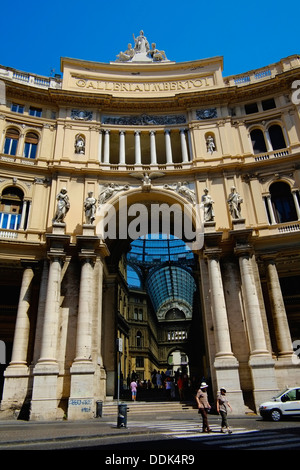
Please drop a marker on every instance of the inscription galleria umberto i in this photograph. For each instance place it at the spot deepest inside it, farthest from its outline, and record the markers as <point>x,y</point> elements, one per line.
<point>116,145</point>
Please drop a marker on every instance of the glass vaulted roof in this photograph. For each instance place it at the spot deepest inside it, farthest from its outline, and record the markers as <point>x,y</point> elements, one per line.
<point>165,264</point>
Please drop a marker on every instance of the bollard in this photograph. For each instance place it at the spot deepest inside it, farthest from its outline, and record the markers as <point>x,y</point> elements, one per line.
<point>98,409</point>
<point>122,415</point>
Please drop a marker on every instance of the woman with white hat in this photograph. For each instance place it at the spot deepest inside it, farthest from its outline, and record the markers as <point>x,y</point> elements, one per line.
<point>222,408</point>
<point>203,405</point>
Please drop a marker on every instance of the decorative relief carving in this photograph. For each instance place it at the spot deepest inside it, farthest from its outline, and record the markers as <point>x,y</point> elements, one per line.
<point>144,120</point>
<point>81,115</point>
<point>206,113</point>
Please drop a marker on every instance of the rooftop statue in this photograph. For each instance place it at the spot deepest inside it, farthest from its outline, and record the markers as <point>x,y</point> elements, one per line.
<point>141,51</point>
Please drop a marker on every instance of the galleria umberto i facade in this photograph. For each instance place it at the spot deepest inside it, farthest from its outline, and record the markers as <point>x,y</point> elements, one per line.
<point>88,160</point>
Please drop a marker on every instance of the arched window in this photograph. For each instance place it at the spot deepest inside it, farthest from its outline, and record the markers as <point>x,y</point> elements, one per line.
<point>31,143</point>
<point>277,137</point>
<point>282,202</point>
<point>258,141</point>
<point>11,141</point>
<point>11,204</point>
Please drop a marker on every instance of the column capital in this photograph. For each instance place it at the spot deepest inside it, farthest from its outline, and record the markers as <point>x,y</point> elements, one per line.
<point>213,253</point>
<point>87,256</point>
<point>244,250</point>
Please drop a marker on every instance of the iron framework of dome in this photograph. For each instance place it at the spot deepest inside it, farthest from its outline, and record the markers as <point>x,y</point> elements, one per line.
<point>164,266</point>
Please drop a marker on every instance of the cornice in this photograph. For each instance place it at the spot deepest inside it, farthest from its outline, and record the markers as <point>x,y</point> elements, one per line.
<point>221,95</point>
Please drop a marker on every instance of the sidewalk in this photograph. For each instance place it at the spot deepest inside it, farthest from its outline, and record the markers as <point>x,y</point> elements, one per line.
<point>18,432</point>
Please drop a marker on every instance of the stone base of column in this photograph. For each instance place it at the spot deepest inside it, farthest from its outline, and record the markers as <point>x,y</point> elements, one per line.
<point>15,389</point>
<point>287,371</point>
<point>81,402</point>
<point>44,403</point>
<point>227,375</point>
<point>263,378</point>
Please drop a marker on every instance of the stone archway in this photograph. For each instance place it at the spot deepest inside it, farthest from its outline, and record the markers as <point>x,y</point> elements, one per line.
<point>169,330</point>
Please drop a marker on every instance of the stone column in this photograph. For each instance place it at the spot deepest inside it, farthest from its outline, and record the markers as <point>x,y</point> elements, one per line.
<point>260,362</point>
<point>282,331</point>
<point>296,202</point>
<point>45,394</point>
<point>49,338</point>
<point>184,151</point>
<point>153,148</point>
<point>81,401</point>
<point>225,364</point>
<point>17,373</point>
<point>169,157</point>
<point>23,214</point>
<point>256,332</point>
<point>138,156</point>
<point>106,147</point>
<point>22,328</point>
<point>122,148</point>
<point>221,329</point>
<point>271,212</point>
<point>268,141</point>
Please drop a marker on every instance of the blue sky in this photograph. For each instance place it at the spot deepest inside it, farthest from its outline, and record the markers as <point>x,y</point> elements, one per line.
<point>248,35</point>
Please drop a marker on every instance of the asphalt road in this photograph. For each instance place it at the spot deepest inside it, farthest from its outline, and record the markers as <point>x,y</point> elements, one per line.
<point>154,439</point>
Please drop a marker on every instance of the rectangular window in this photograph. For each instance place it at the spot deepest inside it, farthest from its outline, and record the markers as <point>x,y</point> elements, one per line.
<point>17,108</point>
<point>35,111</point>
<point>251,108</point>
<point>139,361</point>
<point>268,104</point>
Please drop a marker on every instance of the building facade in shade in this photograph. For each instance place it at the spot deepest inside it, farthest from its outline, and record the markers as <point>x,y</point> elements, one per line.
<point>156,203</point>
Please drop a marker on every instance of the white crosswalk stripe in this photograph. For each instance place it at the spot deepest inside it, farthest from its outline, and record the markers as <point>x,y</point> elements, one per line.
<point>183,430</point>
<point>241,438</point>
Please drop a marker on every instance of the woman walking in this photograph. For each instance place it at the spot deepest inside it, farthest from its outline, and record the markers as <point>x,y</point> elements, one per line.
<point>222,408</point>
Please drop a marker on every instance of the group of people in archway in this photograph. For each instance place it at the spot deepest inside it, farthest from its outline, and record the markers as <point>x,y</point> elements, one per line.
<point>162,383</point>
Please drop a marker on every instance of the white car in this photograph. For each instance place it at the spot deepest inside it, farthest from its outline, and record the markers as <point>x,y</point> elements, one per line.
<point>286,403</point>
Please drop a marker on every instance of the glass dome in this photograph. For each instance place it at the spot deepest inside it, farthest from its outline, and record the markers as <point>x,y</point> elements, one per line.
<point>169,281</point>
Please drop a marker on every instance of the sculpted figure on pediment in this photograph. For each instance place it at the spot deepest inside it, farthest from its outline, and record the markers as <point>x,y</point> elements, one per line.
<point>141,51</point>
<point>127,55</point>
<point>157,55</point>
<point>141,43</point>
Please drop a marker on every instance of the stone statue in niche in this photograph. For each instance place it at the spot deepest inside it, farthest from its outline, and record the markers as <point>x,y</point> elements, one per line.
<point>207,202</point>
<point>234,201</point>
<point>63,206</point>
<point>79,144</point>
<point>210,144</point>
<point>90,208</point>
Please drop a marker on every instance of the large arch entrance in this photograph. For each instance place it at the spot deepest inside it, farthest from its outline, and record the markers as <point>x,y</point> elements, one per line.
<point>157,306</point>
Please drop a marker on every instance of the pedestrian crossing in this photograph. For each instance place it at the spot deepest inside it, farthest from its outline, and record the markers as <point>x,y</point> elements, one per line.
<point>240,439</point>
<point>184,430</point>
